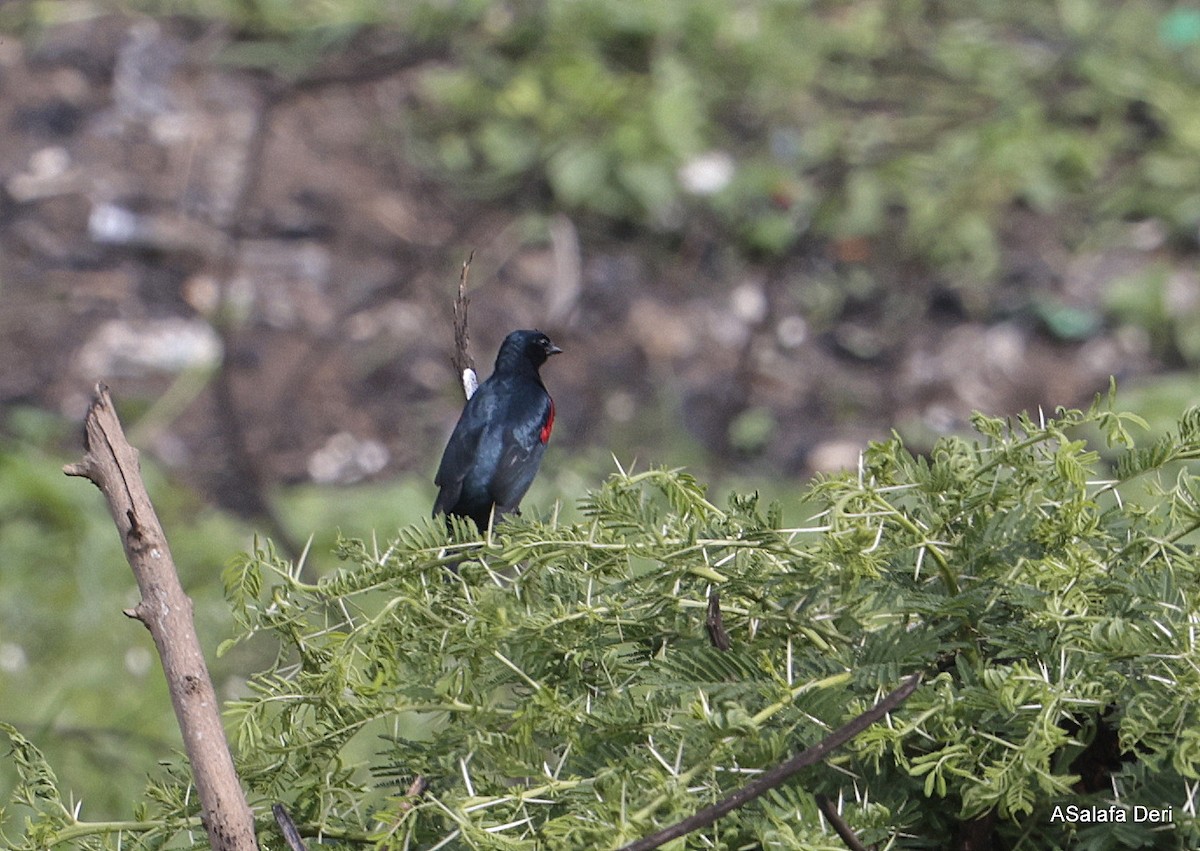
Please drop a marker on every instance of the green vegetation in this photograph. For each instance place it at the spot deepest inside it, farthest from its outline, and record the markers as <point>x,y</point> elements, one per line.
<point>878,125</point>
<point>913,125</point>
<point>561,688</point>
<point>903,126</point>
<point>74,674</point>
<point>78,677</point>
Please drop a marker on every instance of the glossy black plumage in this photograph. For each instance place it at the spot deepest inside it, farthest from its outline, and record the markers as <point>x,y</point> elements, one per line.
<point>497,446</point>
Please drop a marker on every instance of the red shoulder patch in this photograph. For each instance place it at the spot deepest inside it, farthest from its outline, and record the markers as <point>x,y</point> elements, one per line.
<point>548,425</point>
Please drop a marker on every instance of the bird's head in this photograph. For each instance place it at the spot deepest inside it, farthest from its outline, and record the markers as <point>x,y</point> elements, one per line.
<point>532,346</point>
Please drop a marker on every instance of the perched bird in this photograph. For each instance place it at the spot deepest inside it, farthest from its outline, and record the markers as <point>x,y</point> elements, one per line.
<point>500,438</point>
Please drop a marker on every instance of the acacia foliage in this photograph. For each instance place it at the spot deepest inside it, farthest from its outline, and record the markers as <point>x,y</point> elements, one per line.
<point>560,690</point>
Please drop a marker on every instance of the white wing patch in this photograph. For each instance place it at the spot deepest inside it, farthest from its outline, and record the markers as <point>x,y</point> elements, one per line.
<point>470,382</point>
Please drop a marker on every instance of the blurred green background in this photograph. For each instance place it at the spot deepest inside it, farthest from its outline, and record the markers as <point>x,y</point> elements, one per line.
<point>765,232</point>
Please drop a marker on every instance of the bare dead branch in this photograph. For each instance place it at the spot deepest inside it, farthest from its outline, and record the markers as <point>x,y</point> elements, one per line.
<point>464,364</point>
<point>776,776</point>
<point>112,465</point>
<point>840,827</point>
<point>288,828</point>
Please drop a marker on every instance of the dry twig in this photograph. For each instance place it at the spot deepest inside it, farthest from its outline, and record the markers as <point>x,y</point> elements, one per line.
<point>464,364</point>
<point>840,827</point>
<point>112,465</point>
<point>291,835</point>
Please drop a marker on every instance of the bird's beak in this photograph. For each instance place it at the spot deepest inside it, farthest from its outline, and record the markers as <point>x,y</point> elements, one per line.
<point>553,350</point>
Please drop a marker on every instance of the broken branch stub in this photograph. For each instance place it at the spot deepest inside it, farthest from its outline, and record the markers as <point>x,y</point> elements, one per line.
<point>112,465</point>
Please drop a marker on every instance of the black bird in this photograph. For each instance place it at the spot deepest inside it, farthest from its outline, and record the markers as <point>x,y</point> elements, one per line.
<point>500,438</point>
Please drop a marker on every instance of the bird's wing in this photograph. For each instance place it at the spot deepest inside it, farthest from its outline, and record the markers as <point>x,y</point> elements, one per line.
<point>520,458</point>
<point>461,449</point>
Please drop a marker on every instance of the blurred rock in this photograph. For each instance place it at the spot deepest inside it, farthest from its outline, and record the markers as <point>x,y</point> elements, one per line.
<point>791,331</point>
<point>707,174</point>
<point>749,302</point>
<point>133,349</point>
<point>832,456</point>
<point>216,143</point>
<point>286,282</point>
<point>49,173</point>
<point>728,329</point>
<point>345,459</point>
<point>398,318</point>
<point>141,83</point>
<point>663,332</point>
<point>112,224</point>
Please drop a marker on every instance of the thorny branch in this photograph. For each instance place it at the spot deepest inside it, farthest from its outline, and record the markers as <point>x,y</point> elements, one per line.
<point>776,776</point>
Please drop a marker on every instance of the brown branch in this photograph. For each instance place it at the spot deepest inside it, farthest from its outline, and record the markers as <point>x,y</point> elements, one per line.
<point>776,776</point>
<point>840,827</point>
<point>715,625</point>
<point>288,828</point>
<point>462,337</point>
<point>416,789</point>
<point>112,465</point>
